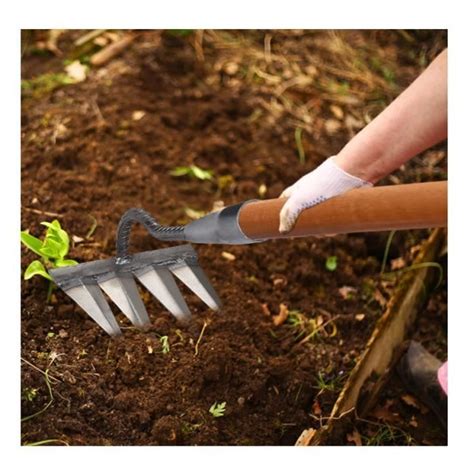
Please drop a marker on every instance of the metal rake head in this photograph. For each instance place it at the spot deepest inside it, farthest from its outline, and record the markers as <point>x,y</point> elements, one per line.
<point>154,269</point>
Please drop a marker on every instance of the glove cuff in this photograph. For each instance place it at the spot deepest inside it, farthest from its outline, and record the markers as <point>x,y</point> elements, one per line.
<point>338,181</point>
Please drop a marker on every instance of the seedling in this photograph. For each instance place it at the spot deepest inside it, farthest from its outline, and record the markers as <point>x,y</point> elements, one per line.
<point>165,345</point>
<point>192,171</point>
<point>188,428</point>
<point>331,263</point>
<point>51,398</point>
<point>29,394</point>
<point>52,250</point>
<point>387,434</point>
<point>297,321</point>
<point>331,385</point>
<point>217,409</point>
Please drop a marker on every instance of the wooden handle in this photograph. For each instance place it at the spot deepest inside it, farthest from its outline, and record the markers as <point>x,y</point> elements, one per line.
<point>397,207</point>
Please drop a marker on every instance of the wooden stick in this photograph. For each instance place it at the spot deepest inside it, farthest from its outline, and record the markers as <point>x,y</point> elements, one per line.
<point>89,36</point>
<point>396,207</point>
<point>42,213</point>
<point>105,55</point>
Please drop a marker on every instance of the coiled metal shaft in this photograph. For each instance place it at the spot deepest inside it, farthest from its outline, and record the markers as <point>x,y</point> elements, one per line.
<point>156,230</point>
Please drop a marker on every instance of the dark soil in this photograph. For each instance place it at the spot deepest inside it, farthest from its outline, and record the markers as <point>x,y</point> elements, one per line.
<point>86,159</point>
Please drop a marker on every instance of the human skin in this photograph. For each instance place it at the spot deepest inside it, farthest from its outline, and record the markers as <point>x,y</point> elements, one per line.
<point>416,120</point>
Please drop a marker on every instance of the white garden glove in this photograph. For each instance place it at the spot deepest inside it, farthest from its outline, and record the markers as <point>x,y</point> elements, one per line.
<point>324,182</point>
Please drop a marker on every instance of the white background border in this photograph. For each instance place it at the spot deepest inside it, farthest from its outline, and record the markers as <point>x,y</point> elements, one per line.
<point>242,14</point>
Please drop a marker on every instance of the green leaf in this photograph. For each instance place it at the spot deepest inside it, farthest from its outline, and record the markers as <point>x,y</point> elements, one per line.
<point>180,171</point>
<point>31,242</point>
<point>65,263</point>
<point>52,249</point>
<point>56,231</point>
<point>57,239</point>
<point>331,263</point>
<point>52,225</point>
<point>200,173</point>
<point>36,268</point>
<point>193,171</point>
<point>217,409</point>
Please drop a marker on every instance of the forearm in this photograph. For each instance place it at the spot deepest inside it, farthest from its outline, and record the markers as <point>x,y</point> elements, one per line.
<point>413,122</point>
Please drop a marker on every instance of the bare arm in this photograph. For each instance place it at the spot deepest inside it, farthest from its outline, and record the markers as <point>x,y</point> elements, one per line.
<point>416,120</point>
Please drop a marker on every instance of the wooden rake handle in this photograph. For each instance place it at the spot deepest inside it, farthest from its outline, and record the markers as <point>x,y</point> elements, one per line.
<point>396,207</point>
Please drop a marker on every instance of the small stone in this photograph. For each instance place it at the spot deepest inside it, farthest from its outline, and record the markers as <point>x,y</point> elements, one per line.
<point>231,69</point>
<point>228,256</point>
<point>332,126</point>
<point>62,333</point>
<point>76,239</point>
<point>241,401</point>
<point>337,111</point>
<point>138,115</point>
<point>311,71</point>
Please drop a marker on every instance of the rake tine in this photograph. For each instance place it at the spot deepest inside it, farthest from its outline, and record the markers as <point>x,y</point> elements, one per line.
<point>160,283</point>
<point>89,297</point>
<point>116,277</point>
<point>123,291</point>
<point>195,279</point>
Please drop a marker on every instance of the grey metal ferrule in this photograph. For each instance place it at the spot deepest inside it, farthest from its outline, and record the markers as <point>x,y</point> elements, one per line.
<point>220,227</point>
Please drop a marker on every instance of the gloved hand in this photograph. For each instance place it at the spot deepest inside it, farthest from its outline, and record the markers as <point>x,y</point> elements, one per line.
<point>324,182</point>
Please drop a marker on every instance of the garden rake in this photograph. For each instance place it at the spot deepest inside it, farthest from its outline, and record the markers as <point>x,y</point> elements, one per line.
<point>406,206</point>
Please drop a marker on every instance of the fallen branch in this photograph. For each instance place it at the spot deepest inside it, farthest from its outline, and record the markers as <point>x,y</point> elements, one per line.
<point>89,36</point>
<point>109,52</point>
<point>42,213</point>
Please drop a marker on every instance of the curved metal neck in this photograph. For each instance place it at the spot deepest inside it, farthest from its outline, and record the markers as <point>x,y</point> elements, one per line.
<point>156,230</point>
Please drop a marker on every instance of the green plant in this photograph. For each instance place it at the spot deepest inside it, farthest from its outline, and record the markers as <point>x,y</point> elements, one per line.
<point>51,398</point>
<point>217,409</point>
<point>188,428</point>
<point>45,83</point>
<point>385,253</point>
<point>331,263</point>
<point>388,435</point>
<point>165,345</point>
<point>52,250</point>
<point>328,384</point>
<point>297,321</point>
<point>192,171</point>
<point>29,394</point>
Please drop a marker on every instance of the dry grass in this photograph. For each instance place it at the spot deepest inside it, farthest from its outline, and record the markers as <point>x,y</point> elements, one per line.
<point>347,73</point>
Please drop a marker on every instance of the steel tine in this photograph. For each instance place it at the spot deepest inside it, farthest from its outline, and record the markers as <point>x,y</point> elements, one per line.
<point>123,291</point>
<point>195,279</point>
<point>93,302</point>
<point>160,283</point>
